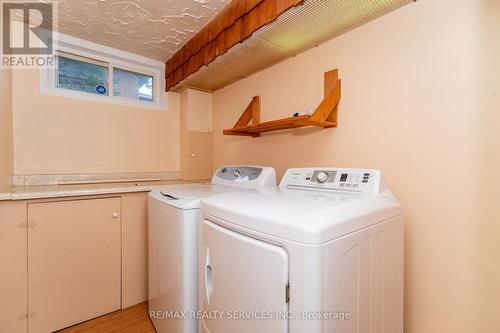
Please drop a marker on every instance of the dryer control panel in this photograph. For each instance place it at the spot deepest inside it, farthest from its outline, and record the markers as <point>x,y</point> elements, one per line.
<point>335,179</point>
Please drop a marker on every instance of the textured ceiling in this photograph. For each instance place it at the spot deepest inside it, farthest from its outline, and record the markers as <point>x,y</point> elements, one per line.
<point>151,28</point>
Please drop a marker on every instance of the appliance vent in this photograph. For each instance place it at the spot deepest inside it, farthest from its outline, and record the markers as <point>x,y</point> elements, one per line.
<point>298,29</point>
<point>317,21</point>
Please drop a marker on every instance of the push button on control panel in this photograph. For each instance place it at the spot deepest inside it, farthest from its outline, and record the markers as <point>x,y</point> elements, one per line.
<point>366,177</point>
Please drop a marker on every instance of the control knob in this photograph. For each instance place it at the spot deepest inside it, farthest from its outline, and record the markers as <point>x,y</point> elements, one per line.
<point>322,177</point>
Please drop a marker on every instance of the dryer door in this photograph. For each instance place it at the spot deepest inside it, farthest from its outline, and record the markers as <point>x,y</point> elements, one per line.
<point>243,282</point>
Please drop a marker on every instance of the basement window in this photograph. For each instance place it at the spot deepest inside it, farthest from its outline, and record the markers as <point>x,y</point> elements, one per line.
<point>88,71</point>
<point>132,85</point>
<point>82,74</point>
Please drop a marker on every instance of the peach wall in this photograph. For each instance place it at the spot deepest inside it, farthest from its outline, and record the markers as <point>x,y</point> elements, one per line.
<point>196,134</point>
<point>6,154</point>
<point>421,102</point>
<point>58,135</point>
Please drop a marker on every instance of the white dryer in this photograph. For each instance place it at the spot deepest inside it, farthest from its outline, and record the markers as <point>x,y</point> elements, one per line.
<point>173,235</point>
<point>321,254</point>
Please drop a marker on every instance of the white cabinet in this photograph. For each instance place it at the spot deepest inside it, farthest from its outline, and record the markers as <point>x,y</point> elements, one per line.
<point>74,262</point>
<point>13,276</point>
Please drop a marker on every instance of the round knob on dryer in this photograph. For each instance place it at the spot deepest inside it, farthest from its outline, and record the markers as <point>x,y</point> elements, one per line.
<point>322,177</point>
<point>236,173</point>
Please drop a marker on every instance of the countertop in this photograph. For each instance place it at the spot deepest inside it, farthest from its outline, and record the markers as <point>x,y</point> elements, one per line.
<point>39,192</point>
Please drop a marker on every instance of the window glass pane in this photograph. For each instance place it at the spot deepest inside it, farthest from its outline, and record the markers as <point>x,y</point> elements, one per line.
<point>82,76</point>
<point>132,85</point>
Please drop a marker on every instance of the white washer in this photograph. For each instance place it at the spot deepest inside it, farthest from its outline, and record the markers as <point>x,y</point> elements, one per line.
<point>321,254</point>
<point>173,230</point>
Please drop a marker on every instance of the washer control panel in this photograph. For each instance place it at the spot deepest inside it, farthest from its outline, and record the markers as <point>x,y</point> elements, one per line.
<point>244,176</point>
<point>239,173</point>
<point>335,179</point>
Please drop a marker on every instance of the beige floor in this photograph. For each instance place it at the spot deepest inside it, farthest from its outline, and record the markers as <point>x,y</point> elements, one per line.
<point>133,320</point>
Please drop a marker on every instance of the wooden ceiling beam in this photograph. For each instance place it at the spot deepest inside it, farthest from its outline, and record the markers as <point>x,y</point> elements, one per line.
<point>231,26</point>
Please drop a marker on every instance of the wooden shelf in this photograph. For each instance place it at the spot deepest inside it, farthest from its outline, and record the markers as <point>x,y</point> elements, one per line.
<point>277,125</point>
<point>325,115</point>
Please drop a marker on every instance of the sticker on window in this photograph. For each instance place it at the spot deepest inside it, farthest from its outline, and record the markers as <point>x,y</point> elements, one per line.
<point>101,90</point>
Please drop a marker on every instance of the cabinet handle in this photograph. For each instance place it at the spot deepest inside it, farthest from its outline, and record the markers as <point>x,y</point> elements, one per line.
<point>115,215</point>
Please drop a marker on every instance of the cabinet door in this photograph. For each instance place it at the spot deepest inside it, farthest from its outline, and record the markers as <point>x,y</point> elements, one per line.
<point>13,277</point>
<point>134,249</point>
<point>73,262</point>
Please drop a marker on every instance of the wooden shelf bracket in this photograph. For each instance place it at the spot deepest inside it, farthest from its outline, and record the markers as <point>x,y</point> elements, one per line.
<point>325,115</point>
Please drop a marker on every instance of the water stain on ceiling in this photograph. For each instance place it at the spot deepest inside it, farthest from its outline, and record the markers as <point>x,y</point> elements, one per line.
<point>151,28</point>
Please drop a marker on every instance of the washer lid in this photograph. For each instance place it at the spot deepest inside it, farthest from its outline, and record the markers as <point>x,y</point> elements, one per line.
<point>228,178</point>
<point>187,197</point>
<point>309,217</point>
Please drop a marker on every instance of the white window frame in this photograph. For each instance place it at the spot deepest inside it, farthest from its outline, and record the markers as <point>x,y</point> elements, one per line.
<point>77,47</point>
